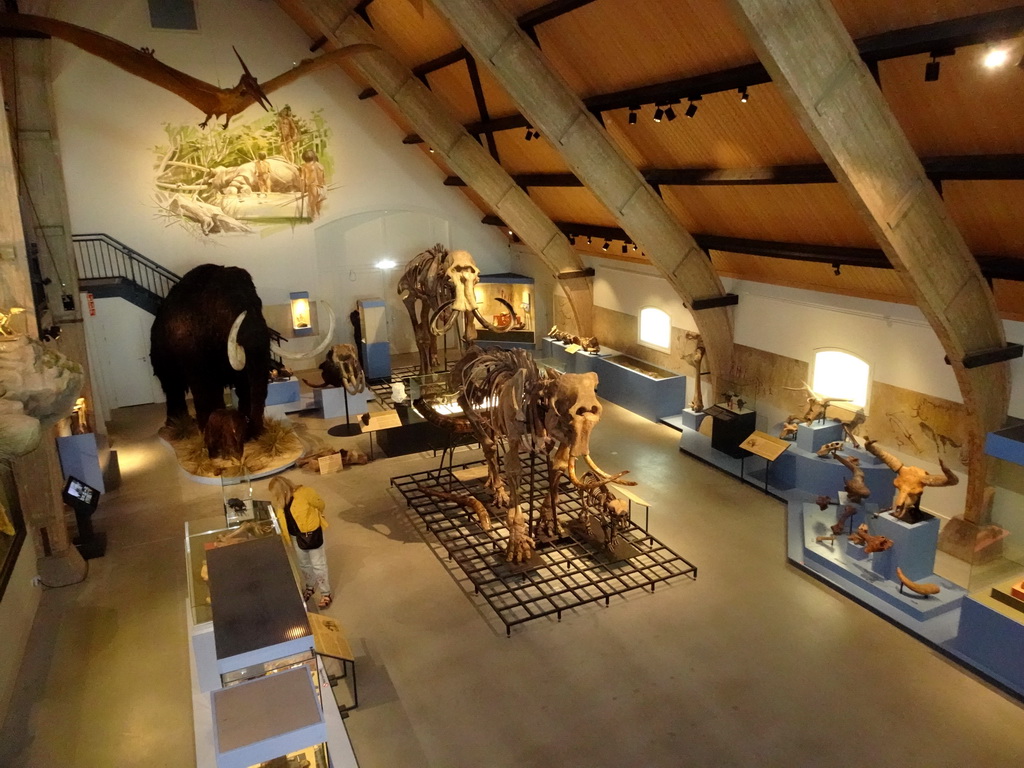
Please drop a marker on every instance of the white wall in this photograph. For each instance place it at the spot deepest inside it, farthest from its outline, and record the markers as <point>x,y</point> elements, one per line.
<point>385,199</point>
<point>895,339</point>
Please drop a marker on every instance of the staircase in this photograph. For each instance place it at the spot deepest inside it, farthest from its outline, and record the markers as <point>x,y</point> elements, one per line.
<point>108,268</point>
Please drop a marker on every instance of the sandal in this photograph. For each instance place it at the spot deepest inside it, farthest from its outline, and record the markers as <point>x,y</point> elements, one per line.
<point>325,602</point>
<point>307,593</point>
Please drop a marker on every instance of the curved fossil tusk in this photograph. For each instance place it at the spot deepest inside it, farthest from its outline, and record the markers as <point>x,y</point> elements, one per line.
<point>328,338</point>
<point>236,353</point>
<point>605,479</point>
<point>467,502</point>
<point>432,323</point>
<point>913,586</point>
<point>602,474</point>
<point>486,323</point>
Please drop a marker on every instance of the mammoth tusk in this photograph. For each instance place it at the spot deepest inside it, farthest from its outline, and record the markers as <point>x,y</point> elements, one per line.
<point>328,338</point>
<point>605,479</point>
<point>497,328</point>
<point>913,586</point>
<point>236,353</point>
<point>432,324</point>
<point>601,473</point>
<point>467,502</point>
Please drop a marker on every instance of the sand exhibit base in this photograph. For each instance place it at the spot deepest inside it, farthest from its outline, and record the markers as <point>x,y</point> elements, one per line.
<point>274,451</point>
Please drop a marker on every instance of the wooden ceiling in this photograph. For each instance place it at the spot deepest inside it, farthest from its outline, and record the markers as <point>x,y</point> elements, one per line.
<point>604,47</point>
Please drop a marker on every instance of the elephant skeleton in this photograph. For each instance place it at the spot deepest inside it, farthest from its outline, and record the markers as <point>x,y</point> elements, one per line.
<point>437,289</point>
<point>504,396</point>
<point>910,483</point>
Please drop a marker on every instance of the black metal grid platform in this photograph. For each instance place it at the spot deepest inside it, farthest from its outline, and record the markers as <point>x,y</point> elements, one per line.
<point>565,574</point>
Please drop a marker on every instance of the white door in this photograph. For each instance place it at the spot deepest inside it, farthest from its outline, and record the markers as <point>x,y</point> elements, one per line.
<point>125,357</point>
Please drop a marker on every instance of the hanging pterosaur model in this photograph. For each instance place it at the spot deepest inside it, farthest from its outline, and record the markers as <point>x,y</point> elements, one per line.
<point>210,99</point>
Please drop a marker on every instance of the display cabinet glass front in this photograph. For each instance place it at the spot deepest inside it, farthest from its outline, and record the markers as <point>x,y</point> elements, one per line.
<point>737,396</point>
<point>208,533</point>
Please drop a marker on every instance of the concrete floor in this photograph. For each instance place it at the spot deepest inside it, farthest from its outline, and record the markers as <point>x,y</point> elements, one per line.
<point>752,664</point>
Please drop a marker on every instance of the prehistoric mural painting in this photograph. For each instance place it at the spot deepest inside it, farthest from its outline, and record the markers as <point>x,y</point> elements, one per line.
<point>921,425</point>
<point>255,176</point>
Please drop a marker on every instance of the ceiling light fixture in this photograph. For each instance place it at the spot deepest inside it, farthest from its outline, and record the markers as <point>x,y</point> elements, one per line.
<point>670,113</point>
<point>625,248</point>
<point>744,96</point>
<point>590,240</point>
<point>836,269</point>
<point>658,113</point>
<point>632,115</point>
<point>634,246</point>
<point>572,239</point>
<point>529,133</point>
<point>692,109</point>
<point>607,244</point>
<point>931,71</point>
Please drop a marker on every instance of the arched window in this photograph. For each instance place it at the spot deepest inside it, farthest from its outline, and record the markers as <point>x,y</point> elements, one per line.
<point>840,374</point>
<point>655,328</point>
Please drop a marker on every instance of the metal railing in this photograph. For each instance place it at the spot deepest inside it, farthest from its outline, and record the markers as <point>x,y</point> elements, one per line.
<point>102,257</point>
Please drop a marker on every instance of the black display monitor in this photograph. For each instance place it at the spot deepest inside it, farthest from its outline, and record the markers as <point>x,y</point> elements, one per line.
<point>79,496</point>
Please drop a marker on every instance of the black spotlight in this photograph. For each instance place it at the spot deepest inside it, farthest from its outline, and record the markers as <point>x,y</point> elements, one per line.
<point>572,239</point>
<point>529,134</point>
<point>931,71</point>
<point>658,113</point>
<point>837,269</point>
<point>607,244</point>
<point>691,110</point>
<point>68,302</point>
<point>670,113</point>
<point>744,96</point>
<point>625,248</point>
<point>590,240</point>
<point>634,246</point>
<point>632,115</point>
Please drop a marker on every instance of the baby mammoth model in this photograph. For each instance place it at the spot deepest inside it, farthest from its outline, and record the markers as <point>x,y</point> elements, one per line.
<point>910,483</point>
<point>504,396</point>
<point>437,288</point>
<point>342,369</point>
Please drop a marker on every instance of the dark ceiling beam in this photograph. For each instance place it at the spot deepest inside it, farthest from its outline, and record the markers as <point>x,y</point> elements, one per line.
<point>946,168</point>
<point>909,41</point>
<point>529,21</point>
<point>992,267</point>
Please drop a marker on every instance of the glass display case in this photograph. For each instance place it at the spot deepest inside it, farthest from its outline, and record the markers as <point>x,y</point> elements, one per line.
<point>203,535</point>
<point>736,396</point>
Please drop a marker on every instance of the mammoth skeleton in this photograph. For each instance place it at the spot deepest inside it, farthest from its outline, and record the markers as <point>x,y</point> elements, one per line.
<point>437,289</point>
<point>910,483</point>
<point>504,396</point>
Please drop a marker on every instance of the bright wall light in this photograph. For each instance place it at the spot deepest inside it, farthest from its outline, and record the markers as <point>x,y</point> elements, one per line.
<point>996,58</point>
<point>655,328</point>
<point>386,264</point>
<point>840,374</point>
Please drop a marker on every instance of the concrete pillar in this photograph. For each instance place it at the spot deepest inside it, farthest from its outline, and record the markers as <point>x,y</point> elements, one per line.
<point>815,65</point>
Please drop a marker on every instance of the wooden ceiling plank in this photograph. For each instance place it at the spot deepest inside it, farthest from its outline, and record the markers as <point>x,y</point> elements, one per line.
<point>494,39</point>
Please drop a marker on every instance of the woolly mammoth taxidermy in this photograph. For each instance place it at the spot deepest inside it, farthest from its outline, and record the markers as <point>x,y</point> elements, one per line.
<point>209,99</point>
<point>208,334</point>
<point>437,289</point>
<point>505,397</point>
<point>910,483</point>
<point>342,369</point>
<point>38,387</point>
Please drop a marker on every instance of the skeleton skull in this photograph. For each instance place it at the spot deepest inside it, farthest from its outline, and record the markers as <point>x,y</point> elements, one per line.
<point>574,412</point>
<point>464,276</point>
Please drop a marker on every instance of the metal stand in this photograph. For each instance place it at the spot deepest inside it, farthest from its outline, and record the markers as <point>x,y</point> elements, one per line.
<point>565,573</point>
<point>347,429</point>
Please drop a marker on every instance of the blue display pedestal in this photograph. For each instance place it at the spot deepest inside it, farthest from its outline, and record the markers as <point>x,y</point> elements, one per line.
<point>332,401</point>
<point>282,392</point>
<point>913,548</point>
<point>692,419</point>
<point>992,635</point>
<point>810,437</point>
